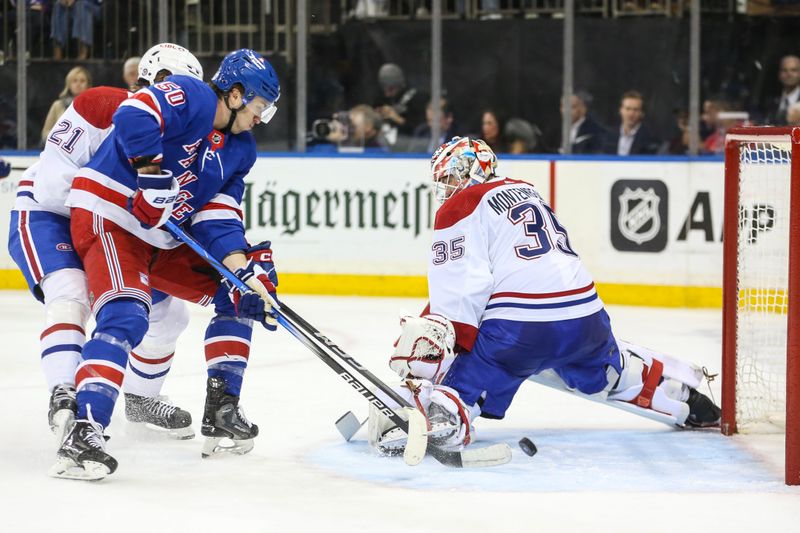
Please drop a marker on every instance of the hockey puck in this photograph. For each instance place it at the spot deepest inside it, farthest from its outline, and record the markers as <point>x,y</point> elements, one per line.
<point>527,446</point>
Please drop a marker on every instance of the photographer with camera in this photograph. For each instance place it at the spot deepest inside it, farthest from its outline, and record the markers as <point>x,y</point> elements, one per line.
<point>355,130</point>
<point>400,107</point>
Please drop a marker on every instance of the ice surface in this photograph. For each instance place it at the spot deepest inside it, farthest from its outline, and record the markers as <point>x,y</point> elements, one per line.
<point>598,469</point>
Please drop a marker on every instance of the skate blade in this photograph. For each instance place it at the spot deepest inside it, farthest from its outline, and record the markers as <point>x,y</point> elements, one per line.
<point>173,433</point>
<point>66,468</point>
<point>216,446</point>
<point>146,430</point>
<point>63,421</point>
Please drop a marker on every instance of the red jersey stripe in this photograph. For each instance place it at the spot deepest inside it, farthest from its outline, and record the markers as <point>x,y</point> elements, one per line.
<point>542,295</point>
<point>99,371</point>
<point>110,195</point>
<point>62,327</point>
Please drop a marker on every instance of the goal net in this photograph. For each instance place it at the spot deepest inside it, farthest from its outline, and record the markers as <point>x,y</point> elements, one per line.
<point>760,323</point>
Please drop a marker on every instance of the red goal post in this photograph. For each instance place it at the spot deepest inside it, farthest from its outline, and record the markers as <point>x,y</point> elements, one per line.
<point>761,286</point>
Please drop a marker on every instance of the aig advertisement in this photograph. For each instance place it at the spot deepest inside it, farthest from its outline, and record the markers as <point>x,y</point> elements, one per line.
<point>657,223</point>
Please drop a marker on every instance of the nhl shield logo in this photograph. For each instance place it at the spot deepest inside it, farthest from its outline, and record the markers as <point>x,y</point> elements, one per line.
<point>639,211</point>
<point>638,215</point>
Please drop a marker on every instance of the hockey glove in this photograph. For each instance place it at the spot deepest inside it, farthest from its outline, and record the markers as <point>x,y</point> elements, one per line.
<point>5,168</point>
<point>153,201</point>
<point>261,253</point>
<point>425,346</point>
<point>254,304</point>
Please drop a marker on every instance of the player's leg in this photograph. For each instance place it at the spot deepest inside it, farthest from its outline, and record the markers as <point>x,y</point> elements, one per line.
<point>181,273</point>
<point>654,380</point>
<point>115,262</point>
<point>148,365</point>
<point>40,244</point>
<point>227,351</point>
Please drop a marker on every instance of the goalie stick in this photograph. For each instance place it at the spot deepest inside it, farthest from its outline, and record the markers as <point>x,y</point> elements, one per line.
<point>323,347</point>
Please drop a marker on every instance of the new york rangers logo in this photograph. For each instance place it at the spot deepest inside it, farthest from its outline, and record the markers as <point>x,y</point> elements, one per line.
<point>639,220</point>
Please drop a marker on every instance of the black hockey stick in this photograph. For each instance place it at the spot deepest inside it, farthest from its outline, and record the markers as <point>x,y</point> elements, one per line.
<point>323,347</point>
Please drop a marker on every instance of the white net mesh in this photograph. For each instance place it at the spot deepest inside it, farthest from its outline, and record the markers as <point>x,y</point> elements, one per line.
<point>763,267</point>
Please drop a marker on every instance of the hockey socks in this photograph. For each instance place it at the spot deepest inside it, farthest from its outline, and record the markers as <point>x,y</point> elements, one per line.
<point>61,352</point>
<point>99,377</point>
<point>121,324</point>
<point>227,349</point>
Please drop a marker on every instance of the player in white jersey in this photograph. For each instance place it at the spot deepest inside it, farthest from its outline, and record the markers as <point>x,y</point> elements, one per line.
<point>40,243</point>
<point>510,300</point>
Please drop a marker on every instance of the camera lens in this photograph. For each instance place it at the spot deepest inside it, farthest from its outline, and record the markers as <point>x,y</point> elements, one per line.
<point>321,128</point>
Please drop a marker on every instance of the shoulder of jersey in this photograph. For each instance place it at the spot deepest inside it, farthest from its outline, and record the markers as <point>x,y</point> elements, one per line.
<point>464,203</point>
<point>244,145</point>
<point>97,105</point>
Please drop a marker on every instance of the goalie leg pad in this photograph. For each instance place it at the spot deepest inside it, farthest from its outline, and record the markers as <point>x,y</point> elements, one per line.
<point>645,386</point>
<point>448,420</point>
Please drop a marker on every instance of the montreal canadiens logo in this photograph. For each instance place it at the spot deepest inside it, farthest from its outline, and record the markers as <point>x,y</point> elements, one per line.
<point>63,247</point>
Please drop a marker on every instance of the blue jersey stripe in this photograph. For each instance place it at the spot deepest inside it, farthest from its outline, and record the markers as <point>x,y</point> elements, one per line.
<point>62,348</point>
<point>146,375</point>
<point>555,305</point>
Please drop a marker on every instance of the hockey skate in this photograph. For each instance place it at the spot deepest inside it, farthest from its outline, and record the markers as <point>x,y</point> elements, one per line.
<point>158,413</point>
<point>703,413</point>
<point>82,454</point>
<point>223,419</point>
<point>61,414</point>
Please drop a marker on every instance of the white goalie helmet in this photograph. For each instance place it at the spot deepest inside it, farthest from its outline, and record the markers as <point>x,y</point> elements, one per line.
<point>171,57</point>
<point>461,163</point>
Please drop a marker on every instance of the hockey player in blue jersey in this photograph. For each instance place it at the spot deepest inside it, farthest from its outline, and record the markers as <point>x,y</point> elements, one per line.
<point>41,245</point>
<point>180,149</point>
<point>510,300</point>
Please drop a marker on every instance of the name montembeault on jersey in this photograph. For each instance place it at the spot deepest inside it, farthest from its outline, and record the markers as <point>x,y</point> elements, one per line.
<point>501,201</point>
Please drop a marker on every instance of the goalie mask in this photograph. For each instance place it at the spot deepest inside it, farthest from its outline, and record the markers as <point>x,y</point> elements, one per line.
<point>460,163</point>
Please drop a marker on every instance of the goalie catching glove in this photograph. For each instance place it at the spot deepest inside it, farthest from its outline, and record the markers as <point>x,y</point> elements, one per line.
<point>425,347</point>
<point>259,274</point>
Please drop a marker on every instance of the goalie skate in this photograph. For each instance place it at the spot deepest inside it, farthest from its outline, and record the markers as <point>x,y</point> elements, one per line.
<point>82,455</point>
<point>61,415</point>
<point>159,414</point>
<point>703,413</point>
<point>225,427</point>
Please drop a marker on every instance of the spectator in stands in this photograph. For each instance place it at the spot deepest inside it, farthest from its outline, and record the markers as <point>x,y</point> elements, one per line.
<point>422,141</point>
<point>82,13</point>
<point>401,107</point>
<point>793,115</point>
<point>586,134</point>
<point>130,72</point>
<point>78,80</point>
<point>358,128</point>
<point>37,23</point>
<point>522,137</point>
<point>714,114</point>
<point>789,76</point>
<point>492,131</point>
<point>679,141</point>
<point>633,137</point>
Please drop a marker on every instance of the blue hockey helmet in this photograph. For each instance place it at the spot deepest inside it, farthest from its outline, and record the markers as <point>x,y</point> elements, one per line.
<point>257,77</point>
